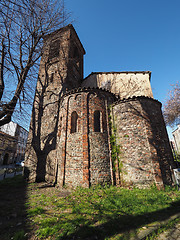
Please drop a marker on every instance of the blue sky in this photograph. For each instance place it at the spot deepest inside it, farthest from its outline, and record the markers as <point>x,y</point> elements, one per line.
<point>131,35</point>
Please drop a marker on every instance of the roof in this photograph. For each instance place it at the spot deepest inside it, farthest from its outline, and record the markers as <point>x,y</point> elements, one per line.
<point>178,128</point>
<point>7,135</point>
<point>69,26</point>
<point>134,98</point>
<point>77,90</point>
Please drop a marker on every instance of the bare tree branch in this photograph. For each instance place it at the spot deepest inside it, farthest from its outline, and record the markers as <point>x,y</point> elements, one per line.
<point>23,24</point>
<point>171,109</point>
<point>2,69</point>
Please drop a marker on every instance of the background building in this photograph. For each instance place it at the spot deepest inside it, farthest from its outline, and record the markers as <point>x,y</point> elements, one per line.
<point>176,135</point>
<point>14,138</point>
<point>8,145</point>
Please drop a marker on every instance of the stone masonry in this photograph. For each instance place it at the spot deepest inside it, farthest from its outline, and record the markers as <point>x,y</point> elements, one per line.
<point>84,155</point>
<point>73,121</point>
<point>145,150</point>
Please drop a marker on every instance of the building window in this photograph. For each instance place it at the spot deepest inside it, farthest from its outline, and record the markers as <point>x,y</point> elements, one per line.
<point>76,57</point>
<point>52,77</point>
<point>75,52</point>
<point>54,49</point>
<point>74,118</point>
<point>97,122</point>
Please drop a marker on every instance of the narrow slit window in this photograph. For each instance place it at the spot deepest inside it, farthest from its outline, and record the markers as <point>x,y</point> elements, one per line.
<point>97,123</point>
<point>76,53</point>
<point>52,77</point>
<point>74,118</point>
<point>54,49</point>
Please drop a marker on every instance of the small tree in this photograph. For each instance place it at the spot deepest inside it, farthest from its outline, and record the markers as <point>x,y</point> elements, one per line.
<point>171,109</point>
<point>23,24</point>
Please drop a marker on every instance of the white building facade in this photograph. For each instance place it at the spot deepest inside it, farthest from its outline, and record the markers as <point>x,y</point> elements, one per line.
<point>176,135</point>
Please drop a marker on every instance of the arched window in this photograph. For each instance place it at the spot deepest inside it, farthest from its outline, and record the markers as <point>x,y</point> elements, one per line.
<point>97,123</point>
<point>74,118</point>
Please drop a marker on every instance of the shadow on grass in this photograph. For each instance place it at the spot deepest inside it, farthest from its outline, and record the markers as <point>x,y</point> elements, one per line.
<point>12,208</point>
<point>46,186</point>
<point>14,220</point>
<point>126,225</point>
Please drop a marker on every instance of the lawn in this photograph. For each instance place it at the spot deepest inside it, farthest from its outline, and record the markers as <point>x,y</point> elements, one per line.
<point>39,211</point>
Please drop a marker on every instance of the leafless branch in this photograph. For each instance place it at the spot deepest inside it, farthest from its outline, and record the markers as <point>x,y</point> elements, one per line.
<point>171,108</point>
<point>23,24</point>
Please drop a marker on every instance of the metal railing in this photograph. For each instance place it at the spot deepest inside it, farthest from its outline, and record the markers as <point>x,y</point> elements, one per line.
<point>10,172</point>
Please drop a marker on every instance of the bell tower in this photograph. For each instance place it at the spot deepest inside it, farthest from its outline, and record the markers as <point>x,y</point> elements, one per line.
<point>61,69</point>
<point>62,58</point>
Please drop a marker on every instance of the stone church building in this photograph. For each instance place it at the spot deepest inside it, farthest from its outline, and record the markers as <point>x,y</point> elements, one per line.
<point>105,128</point>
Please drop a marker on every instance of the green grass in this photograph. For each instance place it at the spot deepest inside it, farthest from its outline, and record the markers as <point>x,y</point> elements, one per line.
<point>12,208</point>
<point>96,213</point>
<point>12,182</point>
<point>101,212</point>
<point>20,235</point>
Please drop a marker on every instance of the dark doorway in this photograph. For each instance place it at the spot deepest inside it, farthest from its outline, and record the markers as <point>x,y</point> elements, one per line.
<point>6,157</point>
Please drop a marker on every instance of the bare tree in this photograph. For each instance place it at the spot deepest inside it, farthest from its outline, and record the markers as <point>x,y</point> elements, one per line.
<point>172,106</point>
<point>23,24</point>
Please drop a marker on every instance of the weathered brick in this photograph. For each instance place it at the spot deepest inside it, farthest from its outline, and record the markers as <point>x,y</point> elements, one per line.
<point>69,138</point>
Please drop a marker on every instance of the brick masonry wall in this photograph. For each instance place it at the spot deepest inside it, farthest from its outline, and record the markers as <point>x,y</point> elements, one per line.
<point>145,151</point>
<point>53,80</point>
<point>85,154</point>
<point>70,149</point>
<point>41,154</point>
<point>98,141</point>
<point>82,158</point>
